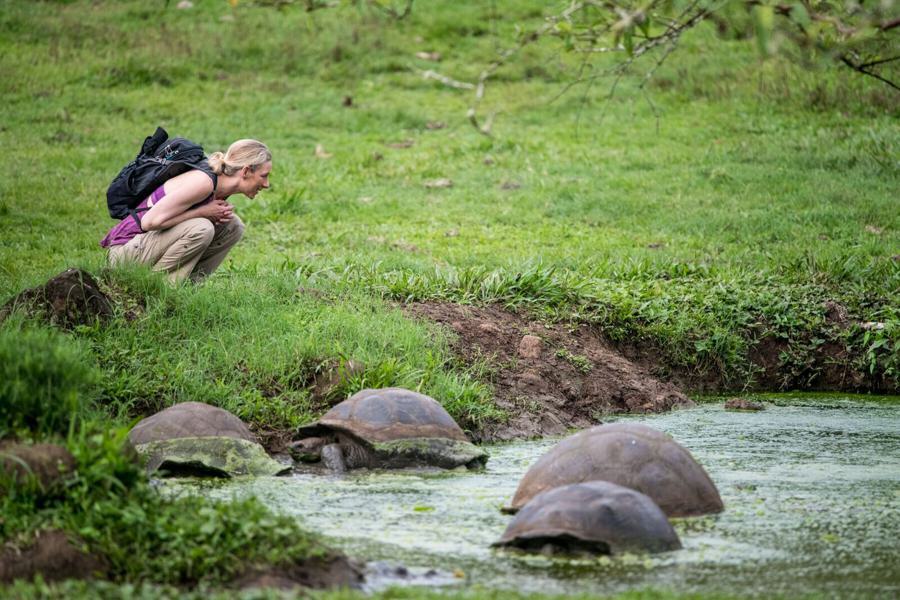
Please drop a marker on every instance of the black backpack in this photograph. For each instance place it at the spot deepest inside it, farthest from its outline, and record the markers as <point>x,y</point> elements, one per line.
<point>158,161</point>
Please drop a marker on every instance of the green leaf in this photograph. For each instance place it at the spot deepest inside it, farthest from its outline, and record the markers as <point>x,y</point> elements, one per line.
<point>764,22</point>
<point>800,15</point>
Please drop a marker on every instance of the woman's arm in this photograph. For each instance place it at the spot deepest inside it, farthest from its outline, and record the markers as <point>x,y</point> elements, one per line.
<point>182,192</point>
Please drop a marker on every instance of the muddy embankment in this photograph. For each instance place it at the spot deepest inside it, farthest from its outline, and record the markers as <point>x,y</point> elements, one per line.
<point>552,377</point>
<point>547,377</point>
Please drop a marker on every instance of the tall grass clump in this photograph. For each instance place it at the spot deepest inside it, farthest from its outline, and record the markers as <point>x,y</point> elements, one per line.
<point>47,380</point>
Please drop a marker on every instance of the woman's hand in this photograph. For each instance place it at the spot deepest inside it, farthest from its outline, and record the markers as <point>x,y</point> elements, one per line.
<point>217,211</point>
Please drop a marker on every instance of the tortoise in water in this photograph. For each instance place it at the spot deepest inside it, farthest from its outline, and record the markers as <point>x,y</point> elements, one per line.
<point>193,438</point>
<point>628,454</point>
<point>387,428</point>
<point>596,517</point>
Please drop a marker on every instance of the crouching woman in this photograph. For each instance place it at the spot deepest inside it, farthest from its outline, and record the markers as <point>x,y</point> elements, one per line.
<point>187,225</point>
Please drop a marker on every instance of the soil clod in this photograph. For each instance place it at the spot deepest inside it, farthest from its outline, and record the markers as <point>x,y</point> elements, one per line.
<point>69,299</point>
<point>49,464</point>
<point>53,557</point>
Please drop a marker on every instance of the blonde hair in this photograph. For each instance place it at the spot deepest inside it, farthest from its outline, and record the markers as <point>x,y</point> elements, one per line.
<point>242,153</point>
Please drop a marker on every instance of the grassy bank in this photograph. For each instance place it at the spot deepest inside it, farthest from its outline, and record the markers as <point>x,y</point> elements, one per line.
<point>726,210</point>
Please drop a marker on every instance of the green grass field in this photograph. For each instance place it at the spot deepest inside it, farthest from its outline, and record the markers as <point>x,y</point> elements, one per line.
<point>721,205</point>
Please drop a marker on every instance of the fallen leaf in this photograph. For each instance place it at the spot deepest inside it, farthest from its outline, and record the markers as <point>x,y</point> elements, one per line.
<point>366,199</point>
<point>405,246</point>
<point>875,230</point>
<point>438,183</point>
<point>402,144</point>
<point>320,152</point>
<point>656,245</point>
<point>432,56</point>
<point>184,4</point>
<point>228,18</point>
<point>451,233</point>
<point>488,160</point>
<point>435,125</point>
<point>510,185</point>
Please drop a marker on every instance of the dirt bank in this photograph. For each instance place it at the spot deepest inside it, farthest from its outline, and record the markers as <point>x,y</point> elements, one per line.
<point>548,377</point>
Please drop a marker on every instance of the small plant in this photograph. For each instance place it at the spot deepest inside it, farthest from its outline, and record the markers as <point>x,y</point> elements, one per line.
<point>582,363</point>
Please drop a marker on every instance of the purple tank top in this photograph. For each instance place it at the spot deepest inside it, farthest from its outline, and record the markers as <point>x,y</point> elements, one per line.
<point>128,227</point>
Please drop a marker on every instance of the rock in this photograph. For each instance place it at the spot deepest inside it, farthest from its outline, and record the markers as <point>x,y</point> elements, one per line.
<point>48,463</point>
<point>743,404</point>
<point>53,557</point>
<point>69,299</point>
<point>530,347</point>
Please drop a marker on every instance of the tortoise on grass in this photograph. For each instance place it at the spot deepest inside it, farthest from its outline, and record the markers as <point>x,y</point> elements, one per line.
<point>387,428</point>
<point>595,517</point>
<point>628,454</point>
<point>193,438</point>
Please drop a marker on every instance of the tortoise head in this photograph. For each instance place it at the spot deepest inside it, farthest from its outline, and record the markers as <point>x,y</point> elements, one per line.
<point>308,449</point>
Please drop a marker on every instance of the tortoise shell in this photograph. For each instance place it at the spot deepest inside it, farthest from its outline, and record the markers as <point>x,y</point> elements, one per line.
<point>197,439</point>
<point>629,454</point>
<point>189,420</point>
<point>389,414</point>
<point>595,516</point>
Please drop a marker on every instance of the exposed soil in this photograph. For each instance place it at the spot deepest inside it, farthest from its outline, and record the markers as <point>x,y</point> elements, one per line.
<point>334,571</point>
<point>53,557</point>
<point>69,299</point>
<point>548,377</point>
<point>48,463</point>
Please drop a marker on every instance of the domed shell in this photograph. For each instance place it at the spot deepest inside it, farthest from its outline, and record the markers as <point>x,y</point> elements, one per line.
<point>194,438</point>
<point>389,414</point>
<point>597,516</point>
<point>628,454</point>
<point>189,419</point>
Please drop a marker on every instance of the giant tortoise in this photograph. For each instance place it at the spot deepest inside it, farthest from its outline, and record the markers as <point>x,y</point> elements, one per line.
<point>193,438</point>
<point>387,428</point>
<point>597,517</point>
<point>628,454</point>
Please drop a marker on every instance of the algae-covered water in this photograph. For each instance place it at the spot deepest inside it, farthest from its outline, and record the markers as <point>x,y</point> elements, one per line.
<point>811,490</point>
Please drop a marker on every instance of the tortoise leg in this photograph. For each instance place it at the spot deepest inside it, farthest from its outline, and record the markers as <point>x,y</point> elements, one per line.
<point>333,458</point>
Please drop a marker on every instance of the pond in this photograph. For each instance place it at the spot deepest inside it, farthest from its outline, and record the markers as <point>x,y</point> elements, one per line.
<point>812,507</point>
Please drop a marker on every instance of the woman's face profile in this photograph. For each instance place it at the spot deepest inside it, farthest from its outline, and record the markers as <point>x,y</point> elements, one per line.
<point>253,181</point>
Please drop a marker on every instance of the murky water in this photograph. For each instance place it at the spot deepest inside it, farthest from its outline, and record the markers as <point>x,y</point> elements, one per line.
<point>811,490</point>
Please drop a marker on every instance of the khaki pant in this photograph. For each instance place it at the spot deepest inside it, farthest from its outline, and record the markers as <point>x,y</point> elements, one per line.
<point>193,248</point>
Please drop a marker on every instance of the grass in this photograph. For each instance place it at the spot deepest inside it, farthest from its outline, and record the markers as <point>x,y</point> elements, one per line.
<point>723,207</point>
